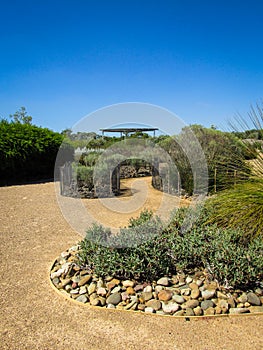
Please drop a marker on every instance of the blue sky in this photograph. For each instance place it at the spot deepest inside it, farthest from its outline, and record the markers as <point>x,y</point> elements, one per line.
<point>62,60</point>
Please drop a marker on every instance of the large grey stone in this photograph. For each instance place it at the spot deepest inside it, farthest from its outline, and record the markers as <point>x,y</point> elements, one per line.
<point>253,299</point>
<point>114,299</point>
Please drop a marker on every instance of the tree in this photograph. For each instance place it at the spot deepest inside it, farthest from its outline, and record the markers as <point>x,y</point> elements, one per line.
<point>21,116</point>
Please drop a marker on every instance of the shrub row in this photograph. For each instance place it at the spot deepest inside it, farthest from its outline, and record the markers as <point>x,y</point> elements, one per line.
<point>27,152</point>
<point>146,250</point>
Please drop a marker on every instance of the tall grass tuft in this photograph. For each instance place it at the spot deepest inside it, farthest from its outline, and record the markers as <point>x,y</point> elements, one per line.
<point>242,205</point>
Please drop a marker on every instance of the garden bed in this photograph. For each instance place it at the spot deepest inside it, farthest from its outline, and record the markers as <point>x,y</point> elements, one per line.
<point>192,294</point>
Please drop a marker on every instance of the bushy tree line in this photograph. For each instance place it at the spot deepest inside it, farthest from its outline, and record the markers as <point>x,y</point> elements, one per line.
<point>27,152</point>
<point>225,156</point>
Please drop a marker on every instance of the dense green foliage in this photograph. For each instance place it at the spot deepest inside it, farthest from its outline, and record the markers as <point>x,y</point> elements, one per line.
<point>160,251</point>
<point>224,154</point>
<point>28,152</point>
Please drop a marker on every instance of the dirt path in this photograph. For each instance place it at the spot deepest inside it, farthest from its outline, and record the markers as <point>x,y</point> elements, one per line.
<point>137,195</point>
<point>34,316</point>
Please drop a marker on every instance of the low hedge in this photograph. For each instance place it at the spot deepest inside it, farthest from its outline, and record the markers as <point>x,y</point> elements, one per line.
<point>148,250</point>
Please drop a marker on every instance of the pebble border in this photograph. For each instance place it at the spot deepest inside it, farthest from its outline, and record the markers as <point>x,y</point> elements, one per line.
<point>66,259</point>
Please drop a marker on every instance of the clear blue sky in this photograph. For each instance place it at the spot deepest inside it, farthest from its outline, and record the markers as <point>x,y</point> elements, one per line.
<point>203,60</point>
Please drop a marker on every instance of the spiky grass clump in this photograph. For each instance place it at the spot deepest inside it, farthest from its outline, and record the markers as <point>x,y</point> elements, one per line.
<point>240,207</point>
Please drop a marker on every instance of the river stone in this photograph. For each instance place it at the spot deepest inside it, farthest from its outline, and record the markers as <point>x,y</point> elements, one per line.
<point>238,310</point>
<point>223,305</point>
<point>198,311</point>
<point>92,288</point>
<point>165,295</point>
<point>191,303</point>
<point>100,284</point>
<point>101,291</point>
<point>148,289</point>
<point>84,280</point>
<point>231,302</point>
<point>102,301</point>
<point>254,309</point>
<point>114,299</point>
<point>75,279</point>
<point>164,281</point>
<point>82,298</point>
<point>193,285</point>
<point>206,304</point>
<point>178,299</point>
<point>82,290</point>
<point>124,296</point>
<point>111,306</point>
<point>209,311</point>
<point>253,299</point>
<point>149,310</point>
<point>130,291</point>
<point>259,291</point>
<point>128,283</point>
<point>189,312</point>
<point>195,293</point>
<point>170,307</point>
<point>199,283</point>
<point>186,291</point>
<point>188,279</point>
<point>95,302</point>
<point>179,313</point>
<point>130,305</point>
<point>68,288</point>
<point>64,282</point>
<point>208,294</point>
<point>116,289</point>
<point>145,296</point>
<point>141,307</point>
<point>138,287</point>
<point>242,298</point>
<point>155,304</point>
<point>113,283</point>
<point>56,281</point>
<point>74,291</point>
<point>158,289</point>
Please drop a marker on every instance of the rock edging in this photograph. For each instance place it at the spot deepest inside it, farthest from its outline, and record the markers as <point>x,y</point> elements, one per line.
<point>180,295</point>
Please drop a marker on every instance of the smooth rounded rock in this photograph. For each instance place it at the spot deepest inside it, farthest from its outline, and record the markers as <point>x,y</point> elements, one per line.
<point>165,295</point>
<point>145,296</point>
<point>170,307</point>
<point>253,299</point>
<point>178,299</point>
<point>191,303</point>
<point>114,299</point>
<point>82,298</point>
<point>128,283</point>
<point>208,294</point>
<point>84,280</point>
<point>209,311</point>
<point>206,304</point>
<point>195,293</point>
<point>155,304</point>
<point>164,281</point>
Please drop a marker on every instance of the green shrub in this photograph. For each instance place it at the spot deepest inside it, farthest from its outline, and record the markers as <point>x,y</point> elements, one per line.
<point>138,252</point>
<point>147,250</point>
<point>27,152</point>
<point>84,176</point>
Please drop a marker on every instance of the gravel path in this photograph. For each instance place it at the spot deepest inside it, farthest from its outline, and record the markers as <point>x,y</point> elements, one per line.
<point>34,316</point>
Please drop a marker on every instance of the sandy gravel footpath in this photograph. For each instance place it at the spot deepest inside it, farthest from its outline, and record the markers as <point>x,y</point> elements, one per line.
<point>34,316</point>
